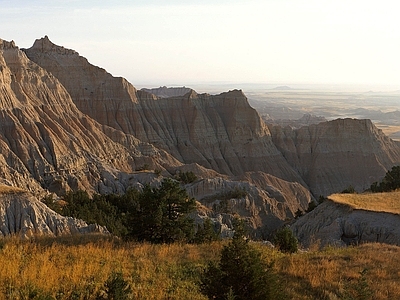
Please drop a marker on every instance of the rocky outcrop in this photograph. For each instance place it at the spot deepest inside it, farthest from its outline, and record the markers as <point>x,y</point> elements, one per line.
<point>221,132</point>
<point>46,142</point>
<point>23,215</point>
<point>339,224</point>
<point>331,156</point>
<point>166,92</point>
<point>265,201</point>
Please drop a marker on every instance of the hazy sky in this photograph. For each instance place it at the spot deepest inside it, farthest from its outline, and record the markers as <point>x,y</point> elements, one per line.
<point>188,42</point>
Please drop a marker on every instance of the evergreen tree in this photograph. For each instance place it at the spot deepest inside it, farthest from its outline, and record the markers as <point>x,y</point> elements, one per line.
<point>241,273</point>
<point>285,240</point>
<point>161,215</point>
<point>206,233</point>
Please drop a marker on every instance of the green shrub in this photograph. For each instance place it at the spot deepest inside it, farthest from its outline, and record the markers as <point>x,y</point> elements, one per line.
<point>241,273</point>
<point>206,233</point>
<point>116,287</point>
<point>285,240</point>
<point>186,177</point>
<point>349,190</point>
<point>390,182</point>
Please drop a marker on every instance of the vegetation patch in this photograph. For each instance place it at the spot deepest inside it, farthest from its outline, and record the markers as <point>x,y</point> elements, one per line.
<point>75,268</point>
<point>380,202</point>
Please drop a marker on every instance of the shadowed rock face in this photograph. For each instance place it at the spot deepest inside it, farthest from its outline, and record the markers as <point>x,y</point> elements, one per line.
<point>333,155</point>
<point>22,214</point>
<point>338,224</point>
<point>221,132</point>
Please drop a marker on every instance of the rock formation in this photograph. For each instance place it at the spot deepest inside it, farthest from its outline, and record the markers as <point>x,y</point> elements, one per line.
<point>331,156</point>
<point>66,124</point>
<point>46,142</point>
<point>166,92</point>
<point>221,132</point>
<point>23,215</point>
<point>265,201</point>
<point>339,224</point>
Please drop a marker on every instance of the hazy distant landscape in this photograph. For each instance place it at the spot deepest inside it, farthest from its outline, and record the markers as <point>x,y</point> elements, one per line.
<point>280,103</point>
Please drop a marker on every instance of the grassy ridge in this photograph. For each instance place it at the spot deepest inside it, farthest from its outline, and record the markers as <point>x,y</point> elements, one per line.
<point>381,202</point>
<point>78,268</point>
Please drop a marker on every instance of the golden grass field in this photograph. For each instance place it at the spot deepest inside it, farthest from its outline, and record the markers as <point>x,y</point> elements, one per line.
<point>5,189</point>
<point>76,268</point>
<point>381,202</point>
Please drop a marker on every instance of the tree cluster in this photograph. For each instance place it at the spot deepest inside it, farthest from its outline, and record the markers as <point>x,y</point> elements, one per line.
<point>157,215</point>
<point>390,182</point>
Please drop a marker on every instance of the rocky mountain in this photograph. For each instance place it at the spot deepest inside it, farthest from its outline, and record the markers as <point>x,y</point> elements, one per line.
<point>331,156</point>
<point>337,224</point>
<point>21,213</point>
<point>221,132</point>
<point>46,142</point>
<point>66,124</point>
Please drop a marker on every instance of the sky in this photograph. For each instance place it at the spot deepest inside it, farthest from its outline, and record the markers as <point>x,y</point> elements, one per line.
<point>154,42</point>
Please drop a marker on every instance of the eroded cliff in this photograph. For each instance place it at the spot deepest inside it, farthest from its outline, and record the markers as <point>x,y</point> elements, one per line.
<point>331,156</point>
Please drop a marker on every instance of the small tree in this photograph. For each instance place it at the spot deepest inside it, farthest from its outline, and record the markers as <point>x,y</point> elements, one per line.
<point>285,240</point>
<point>161,215</point>
<point>206,233</point>
<point>241,273</point>
<point>117,288</point>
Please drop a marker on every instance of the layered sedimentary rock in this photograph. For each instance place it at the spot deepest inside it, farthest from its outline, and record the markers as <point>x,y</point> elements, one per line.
<point>46,142</point>
<point>331,156</point>
<point>221,132</point>
<point>339,224</point>
<point>23,215</point>
<point>265,201</point>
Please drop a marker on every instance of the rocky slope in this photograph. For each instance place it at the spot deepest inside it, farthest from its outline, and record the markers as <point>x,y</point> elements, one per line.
<point>46,142</point>
<point>332,155</point>
<point>221,132</point>
<point>22,214</point>
<point>265,201</point>
<point>339,224</point>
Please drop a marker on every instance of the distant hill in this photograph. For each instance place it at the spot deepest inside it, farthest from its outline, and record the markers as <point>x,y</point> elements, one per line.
<point>282,88</point>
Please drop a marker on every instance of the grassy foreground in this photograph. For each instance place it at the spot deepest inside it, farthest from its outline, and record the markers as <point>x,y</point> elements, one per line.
<point>78,269</point>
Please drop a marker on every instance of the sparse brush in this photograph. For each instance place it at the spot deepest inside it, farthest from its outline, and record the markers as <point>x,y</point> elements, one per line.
<point>86,268</point>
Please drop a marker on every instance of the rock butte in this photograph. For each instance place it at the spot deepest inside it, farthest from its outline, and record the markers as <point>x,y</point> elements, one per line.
<point>66,124</point>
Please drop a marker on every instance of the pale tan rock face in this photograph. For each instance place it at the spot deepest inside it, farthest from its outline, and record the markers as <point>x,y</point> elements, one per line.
<point>23,215</point>
<point>333,155</point>
<point>45,138</point>
<point>338,224</point>
<point>221,132</point>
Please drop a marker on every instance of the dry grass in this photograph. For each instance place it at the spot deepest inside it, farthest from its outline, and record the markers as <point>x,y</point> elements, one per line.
<point>382,202</point>
<point>77,269</point>
<point>333,273</point>
<point>5,189</point>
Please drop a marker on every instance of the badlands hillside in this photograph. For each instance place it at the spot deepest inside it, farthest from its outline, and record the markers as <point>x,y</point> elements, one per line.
<point>352,219</point>
<point>66,125</point>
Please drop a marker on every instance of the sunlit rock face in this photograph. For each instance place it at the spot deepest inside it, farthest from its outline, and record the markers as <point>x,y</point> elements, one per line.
<point>221,132</point>
<point>331,156</point>
<point>46,142</point>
